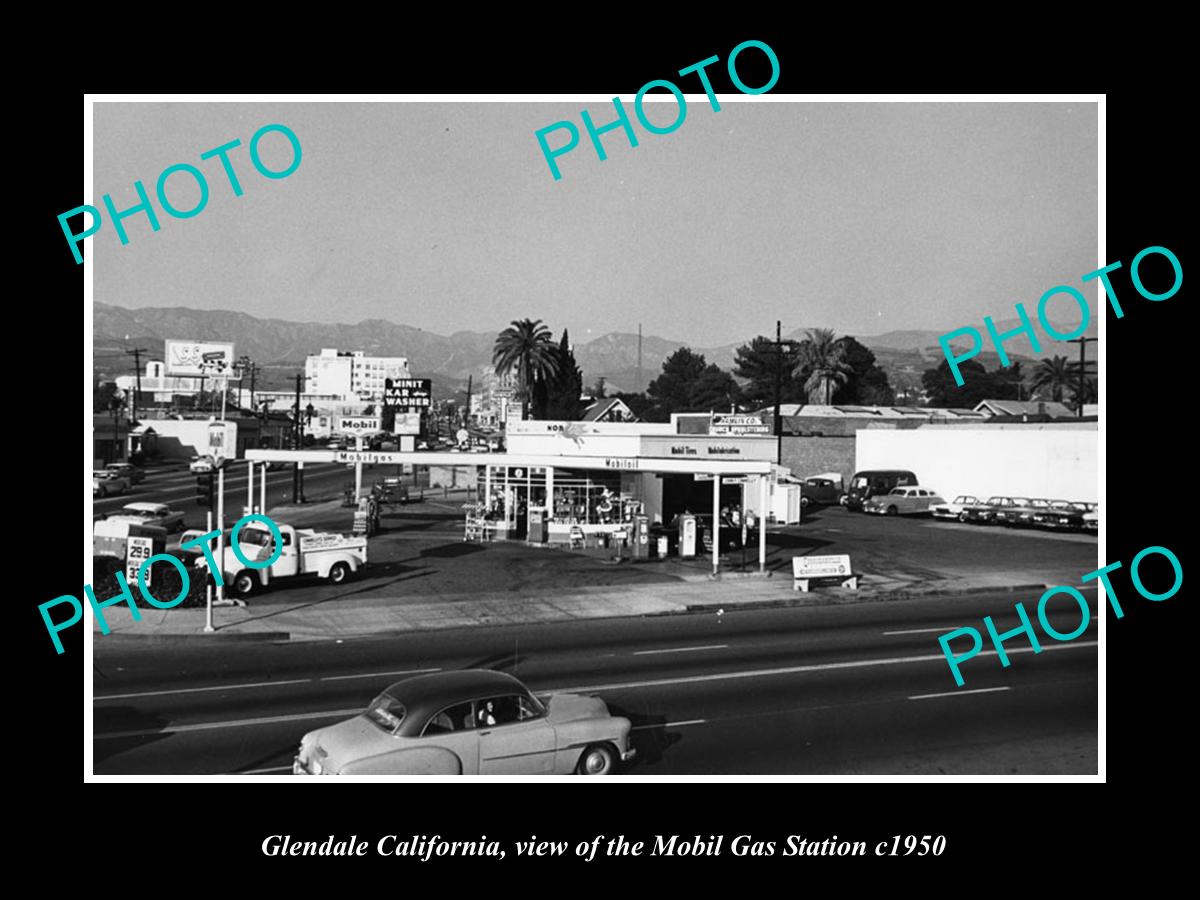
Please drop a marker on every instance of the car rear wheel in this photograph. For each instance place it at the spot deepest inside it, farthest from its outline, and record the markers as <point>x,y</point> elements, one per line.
<point>598,759</point>
<point>804,503</point>
<point>892,511</point>
<point>243,584</point>
<point>338,573</point>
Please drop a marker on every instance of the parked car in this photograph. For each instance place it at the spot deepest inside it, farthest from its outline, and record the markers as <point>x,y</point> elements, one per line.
<point>153,514</point>
<point>821,490</point>
<point>985,513</point>
<point>865,485</point>
<point>129,471</point>
<point>202,464</point>
<point>1021,513</point>
<point>1091,519</point>
<point>110,483</point>
<point>469,722</point>
<point>1062,515</point>
<point>952,509</point>
<point>903,501</point>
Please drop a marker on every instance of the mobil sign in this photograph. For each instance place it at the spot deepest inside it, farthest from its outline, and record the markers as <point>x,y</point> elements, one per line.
<point>358,424</point>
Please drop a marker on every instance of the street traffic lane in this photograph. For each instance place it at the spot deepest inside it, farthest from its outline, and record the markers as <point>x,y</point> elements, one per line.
<point>590,648</point>
<point>809,721</point>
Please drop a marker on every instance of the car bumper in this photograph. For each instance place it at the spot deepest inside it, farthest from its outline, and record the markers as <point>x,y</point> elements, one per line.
<point>629,754</point>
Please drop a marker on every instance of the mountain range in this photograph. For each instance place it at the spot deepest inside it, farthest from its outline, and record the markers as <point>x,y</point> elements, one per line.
<point>279,346</point>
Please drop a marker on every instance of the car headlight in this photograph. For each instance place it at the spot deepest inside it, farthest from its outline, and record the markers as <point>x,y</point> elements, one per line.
<point>316,768</point>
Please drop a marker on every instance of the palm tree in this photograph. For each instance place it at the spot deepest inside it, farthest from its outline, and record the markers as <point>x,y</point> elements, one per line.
<point>821,355</point>
<point>1055,375</point>
<point>526,347</point>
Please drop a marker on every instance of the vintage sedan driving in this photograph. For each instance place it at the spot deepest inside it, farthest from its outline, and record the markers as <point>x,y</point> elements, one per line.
<point>821,490</point>
<point>154,514</point>
<point>903,501</point>
<point>469,722</point>
<point>105,483</point>
<point>128,471</point>
<point>952,509</point>
<point>202,464</point>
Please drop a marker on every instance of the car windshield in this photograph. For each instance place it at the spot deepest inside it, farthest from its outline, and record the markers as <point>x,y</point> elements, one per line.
<point>995,501</point>
<point>386,711</point>
<point>899,492</point>
<point>257,536</point>
<point>858,482</point>
<point>963,498</point>
<point>1060,504</point>
<point>1039,504</point>
<point>1021,501</point>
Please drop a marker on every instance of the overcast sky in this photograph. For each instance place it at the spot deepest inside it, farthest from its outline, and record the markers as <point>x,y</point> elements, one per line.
<point>863,218</point>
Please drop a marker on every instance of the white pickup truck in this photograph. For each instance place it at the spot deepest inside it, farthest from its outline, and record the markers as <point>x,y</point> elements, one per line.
<point>305,552</point>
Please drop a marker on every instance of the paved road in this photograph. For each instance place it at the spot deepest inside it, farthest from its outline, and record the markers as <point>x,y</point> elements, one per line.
<point>176,486</point>
<point>855,689</point>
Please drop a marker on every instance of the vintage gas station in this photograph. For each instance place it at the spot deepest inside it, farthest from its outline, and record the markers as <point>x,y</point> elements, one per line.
<point>578,484</point>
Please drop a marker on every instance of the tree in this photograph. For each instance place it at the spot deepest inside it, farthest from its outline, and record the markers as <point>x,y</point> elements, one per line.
<point>527,348</point>
<point>759,362</point>
<point>559,397</point>
<point>598,390</point>
<point>1055,375</point>
<point>978,384</point>
<point>821,356</point>
<point>688,384</point>
<point>866,383</point>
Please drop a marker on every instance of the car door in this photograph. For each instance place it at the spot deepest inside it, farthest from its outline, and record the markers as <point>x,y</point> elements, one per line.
<point>454,729</point>
<point>514,737</point>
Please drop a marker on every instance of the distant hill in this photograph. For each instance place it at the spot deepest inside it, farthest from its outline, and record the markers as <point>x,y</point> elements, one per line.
<point>280,346</point>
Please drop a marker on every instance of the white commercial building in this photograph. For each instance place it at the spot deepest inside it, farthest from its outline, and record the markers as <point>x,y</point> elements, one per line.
<point>1057,461</point>
<point>352,375</point>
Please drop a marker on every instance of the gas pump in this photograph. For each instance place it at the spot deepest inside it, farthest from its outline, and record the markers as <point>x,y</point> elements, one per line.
<point>641,537</point>
<point>687,535</point>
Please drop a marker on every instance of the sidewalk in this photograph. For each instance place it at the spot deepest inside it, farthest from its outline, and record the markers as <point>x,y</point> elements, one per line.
<point>350,616</point>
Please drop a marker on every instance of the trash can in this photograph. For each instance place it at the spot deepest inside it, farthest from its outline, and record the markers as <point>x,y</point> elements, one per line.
<point>537,525</point>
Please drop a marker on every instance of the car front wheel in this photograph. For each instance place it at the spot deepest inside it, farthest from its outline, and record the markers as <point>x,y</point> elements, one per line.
<point>598,759</point>
<point>243,584</point>
<point>892,511</point>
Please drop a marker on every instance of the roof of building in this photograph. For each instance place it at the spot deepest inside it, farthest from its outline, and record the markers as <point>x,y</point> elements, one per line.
<point>819,411</point>
<point>1023,408</point>
<point>601,408</point>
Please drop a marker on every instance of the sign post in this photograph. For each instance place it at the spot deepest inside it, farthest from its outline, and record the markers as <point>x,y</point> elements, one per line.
<point>208,597</point>
<point>137,551</point>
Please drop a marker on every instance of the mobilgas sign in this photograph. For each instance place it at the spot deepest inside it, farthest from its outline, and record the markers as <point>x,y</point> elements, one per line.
<point>410,393</point>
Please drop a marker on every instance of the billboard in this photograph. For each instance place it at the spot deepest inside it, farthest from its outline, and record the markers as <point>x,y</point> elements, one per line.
<point>408,393</point>
<point>407,423</point>
<point>192,359</point>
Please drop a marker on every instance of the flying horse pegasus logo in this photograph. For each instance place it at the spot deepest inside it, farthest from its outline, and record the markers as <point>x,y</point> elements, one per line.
<point>575,432</point>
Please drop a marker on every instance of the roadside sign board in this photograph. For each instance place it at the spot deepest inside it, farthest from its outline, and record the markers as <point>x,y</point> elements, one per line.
<point>408,393</point>
<point>137,551</point>
<point>701,477</point>
<point>737,424</point>
<point>739,479</point>
<point>358,424</point>
<point>222,441</point>
<point>821,566</point>
<point>369,457</point>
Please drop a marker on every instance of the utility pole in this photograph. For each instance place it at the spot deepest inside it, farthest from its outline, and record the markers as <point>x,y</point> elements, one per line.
<point>778,391</point>
<point>136,353</point>
<point>638,390</point>
<point>296,442</point>
<point>1082,342</point>
<point>467,410</point>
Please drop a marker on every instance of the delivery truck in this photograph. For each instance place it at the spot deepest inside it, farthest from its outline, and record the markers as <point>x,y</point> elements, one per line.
<point>305,552</point>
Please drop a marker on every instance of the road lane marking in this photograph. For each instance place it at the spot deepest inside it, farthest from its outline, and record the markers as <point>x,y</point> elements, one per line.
<point>921,630</point>
<point>233,723</point>
<point>958,693</point>
<point>681,649</point>
<point>196,690</point>
<point>233,687</point>
<point>659,682</point>
<point>377,674</point>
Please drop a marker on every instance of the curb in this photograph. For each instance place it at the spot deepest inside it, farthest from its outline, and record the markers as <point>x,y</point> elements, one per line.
<point>852,597</point>
<point>201,636</point>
